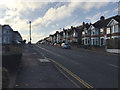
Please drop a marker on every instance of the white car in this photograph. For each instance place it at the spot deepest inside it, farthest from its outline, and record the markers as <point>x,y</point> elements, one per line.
<point>66,46</point>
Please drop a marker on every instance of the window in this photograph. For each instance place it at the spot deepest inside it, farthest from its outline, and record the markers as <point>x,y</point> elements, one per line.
<point>86,32</point>
<point>93,33</point>
<point>7,39</point>
<point>83,32</point>
<point>75,34</point>
<point>116,28</point>
<point>102,41</point>
<point>88,41</point>
<point>96,41</point>
<point>7,32</point>
<point>93,41</point>
<point>101,31</point>
<point>85,41</point>
<point>108,30</point>
<point>113,29</point>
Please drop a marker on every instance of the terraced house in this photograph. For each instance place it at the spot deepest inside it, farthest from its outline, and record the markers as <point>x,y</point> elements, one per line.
<point>65,36</point>
<point>85,34</point>
<point>101,30</point>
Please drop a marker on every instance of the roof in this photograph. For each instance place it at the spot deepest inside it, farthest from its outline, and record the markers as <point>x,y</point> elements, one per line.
<point>5,26</point>
<point>61,33</point>
<point>103,23</point>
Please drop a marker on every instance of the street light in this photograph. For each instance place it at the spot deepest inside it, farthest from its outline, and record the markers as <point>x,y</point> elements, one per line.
<point>30,31</point>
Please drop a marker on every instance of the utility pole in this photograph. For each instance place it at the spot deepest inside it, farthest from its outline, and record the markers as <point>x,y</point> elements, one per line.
<point>30,31</point>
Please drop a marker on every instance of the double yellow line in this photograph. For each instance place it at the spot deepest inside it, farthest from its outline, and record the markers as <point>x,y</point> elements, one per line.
<point>72,74</point>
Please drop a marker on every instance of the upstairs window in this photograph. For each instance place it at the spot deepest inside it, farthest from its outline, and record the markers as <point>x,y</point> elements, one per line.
<point>86,32</point>
<point>101,31</point>
<point>108,31</point>
<point>116,28</point>
<point>83,32</point>
<point>93,32</point>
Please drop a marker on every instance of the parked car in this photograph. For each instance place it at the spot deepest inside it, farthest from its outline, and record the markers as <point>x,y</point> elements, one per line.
<point>55,44</point>
<point>66,46</point>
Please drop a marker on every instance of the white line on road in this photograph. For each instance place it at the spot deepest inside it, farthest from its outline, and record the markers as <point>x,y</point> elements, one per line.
<point>72,61</point>
<point>114,66</point>
<point>50,51</point>
<point>44,60</point>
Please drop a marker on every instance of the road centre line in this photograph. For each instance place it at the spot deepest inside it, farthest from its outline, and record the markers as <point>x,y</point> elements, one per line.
<point>114,66</point>
<point>49,51</point>
<point>72,74</point>
<point>56,54</point>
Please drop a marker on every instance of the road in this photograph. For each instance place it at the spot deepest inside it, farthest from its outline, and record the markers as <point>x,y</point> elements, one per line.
<point>91,69</point>
<point>33,73</point>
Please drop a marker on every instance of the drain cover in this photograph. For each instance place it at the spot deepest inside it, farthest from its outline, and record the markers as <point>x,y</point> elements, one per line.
<point>44,60</point>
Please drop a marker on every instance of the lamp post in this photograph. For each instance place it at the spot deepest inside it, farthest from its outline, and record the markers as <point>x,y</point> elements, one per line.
<point>30,31</point>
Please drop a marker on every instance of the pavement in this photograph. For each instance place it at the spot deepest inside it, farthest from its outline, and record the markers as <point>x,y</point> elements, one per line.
<point>36,71</point>
<point>85,67</point>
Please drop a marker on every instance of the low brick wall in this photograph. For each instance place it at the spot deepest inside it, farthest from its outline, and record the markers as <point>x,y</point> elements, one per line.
<point>11,62</point>
<point>11,56</point>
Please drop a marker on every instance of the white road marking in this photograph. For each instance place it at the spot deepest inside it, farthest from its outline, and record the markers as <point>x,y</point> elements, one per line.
<point>44,60</point>
<point>50,51</point>
<point>114,66</point>
<point>72,61</point>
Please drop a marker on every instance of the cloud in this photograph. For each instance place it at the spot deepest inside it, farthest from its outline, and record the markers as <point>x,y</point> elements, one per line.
<point>14,9</point>
<point>115,10</point>
<point>53,31</point>
<point>74,24</point>
<point>35,37</point>
<point>64,12</point>
<point>96,17</point>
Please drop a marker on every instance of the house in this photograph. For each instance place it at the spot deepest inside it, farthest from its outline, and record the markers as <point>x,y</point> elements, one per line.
<point>57,37</point>
<point>113,28</point>
<point>65,36</point>
<point>7,34</point>
<point>17,37</point>
<point>51,39</point>
<point>61,37</point>
<point>86,34</point>
<point>76,34</point>
<point>101,30</point>
<point>97,32</point>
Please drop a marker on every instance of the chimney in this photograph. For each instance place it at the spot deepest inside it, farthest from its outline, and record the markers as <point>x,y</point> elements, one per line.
<point>71,27</point>
<point>57,31</point>
<point>102,18</point>
<point>83,23</point>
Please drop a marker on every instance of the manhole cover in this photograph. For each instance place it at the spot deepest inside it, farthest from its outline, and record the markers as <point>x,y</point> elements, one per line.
<point>44,60</point>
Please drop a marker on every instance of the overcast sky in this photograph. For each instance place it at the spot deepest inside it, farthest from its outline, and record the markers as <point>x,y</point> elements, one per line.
<point>47,17</point>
